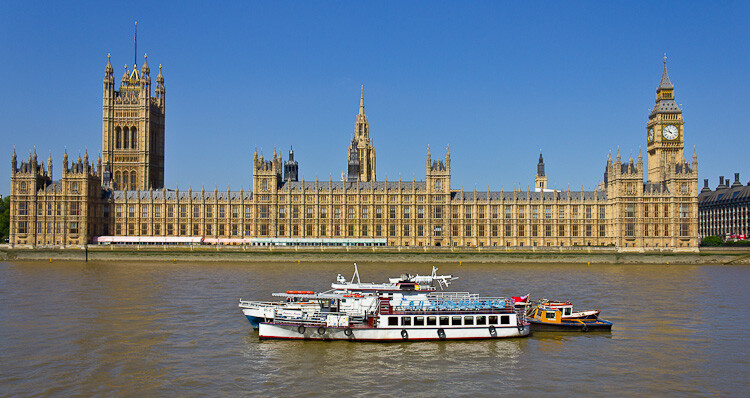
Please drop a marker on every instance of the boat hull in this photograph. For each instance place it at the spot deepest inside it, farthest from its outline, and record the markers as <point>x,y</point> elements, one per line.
<point>317,332</point>
<point>569,326</point>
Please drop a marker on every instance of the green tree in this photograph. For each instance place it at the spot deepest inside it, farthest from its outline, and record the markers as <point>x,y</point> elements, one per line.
<point>712,241</point>
<point>4,219</point>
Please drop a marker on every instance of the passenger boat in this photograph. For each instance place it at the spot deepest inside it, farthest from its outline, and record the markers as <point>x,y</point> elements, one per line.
<point>401,317</point>
<point>307,301</point>
<point>550,317</point>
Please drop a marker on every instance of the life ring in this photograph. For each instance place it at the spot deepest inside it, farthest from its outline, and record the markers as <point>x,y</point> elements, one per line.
<point>348,332</point>
<point>322,330</point>
<point>493,331</point>
<point>404,334</point>
<point>441,334</point>
<point>301,329</point>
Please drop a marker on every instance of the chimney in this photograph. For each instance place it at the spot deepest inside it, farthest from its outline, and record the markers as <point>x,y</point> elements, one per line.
<point>705,186</point>
<point>737,182</point>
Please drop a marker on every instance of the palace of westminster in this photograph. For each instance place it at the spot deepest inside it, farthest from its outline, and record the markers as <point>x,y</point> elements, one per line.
<point>121,196</point>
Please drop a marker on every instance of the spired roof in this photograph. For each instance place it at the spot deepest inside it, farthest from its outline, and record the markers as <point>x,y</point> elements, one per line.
<point>665,105</point>
<point>665,83</point>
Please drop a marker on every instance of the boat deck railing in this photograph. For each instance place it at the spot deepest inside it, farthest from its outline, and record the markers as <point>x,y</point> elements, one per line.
<point>260,304</point>
<point>452,304</point>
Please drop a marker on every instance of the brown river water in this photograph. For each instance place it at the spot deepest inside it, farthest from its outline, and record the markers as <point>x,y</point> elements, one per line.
<point>174,329</point>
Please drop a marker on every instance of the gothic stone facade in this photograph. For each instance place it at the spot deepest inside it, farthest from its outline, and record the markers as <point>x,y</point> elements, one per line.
<point>123,194</point>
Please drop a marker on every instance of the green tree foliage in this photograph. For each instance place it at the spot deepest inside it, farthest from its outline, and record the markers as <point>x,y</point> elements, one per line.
<point>4,219</point>
<point>712,241</point>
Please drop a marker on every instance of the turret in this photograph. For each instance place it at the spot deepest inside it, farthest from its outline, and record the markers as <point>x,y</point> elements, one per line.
<point>353,166</point>
<point>124,81</point>
<point>65,162</point>
<point>540,181</point>
<point>640,161</point>
<point>429,158</point>
<point>49,165</point>
<point>145,78</point>
<point>109,80</point>
<point>160,91</point>
<point>291,168</point>
<point>13,163</point>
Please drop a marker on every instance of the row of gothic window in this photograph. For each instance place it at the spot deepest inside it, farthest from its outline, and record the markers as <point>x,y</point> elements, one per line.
<point>125,180</point>
<point>126,138</point>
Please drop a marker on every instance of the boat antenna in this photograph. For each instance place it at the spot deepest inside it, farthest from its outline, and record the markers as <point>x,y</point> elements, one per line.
<point>356,274</point>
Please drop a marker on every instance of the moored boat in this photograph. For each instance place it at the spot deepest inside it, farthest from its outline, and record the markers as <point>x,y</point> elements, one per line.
<point>260,311</point>
<point>403,318</point>
<point>549,317</point>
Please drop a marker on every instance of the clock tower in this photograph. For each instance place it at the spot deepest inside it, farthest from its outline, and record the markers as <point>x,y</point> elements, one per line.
<point>664,130</point>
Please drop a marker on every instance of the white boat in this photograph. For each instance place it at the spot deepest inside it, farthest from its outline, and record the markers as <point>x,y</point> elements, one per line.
<point>401,318</point>
<point>306,301</point>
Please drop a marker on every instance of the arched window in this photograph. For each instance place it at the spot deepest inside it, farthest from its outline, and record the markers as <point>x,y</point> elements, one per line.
<point>125,179</point>
<point>134,138</point>
<point>125,138</point>
<point>117,179</point>
<point>118,137</point>
<point>132,181</point>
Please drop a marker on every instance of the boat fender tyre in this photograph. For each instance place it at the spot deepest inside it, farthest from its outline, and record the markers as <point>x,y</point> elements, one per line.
<point>441,334</point>
<point>404,334</point>
<point>520,328</point>
<point>493,331</point>
<point>301,329</point>
<point>321,330</point>
<point>348,332</point>
<point>585,328</point>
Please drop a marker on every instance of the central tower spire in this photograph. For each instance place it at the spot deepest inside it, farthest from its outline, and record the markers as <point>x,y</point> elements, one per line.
<point>361,144</point>
<point>362,101</point>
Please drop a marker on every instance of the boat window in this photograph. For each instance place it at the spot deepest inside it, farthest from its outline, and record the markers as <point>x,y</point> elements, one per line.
<point>468,320</point>
<point>418,321</point>
<point>456,320</point>
<point>392,321</point>
<point>550,314</point>
<point>406,321</point>
<point>505,320</point>
<point>481,320</point>
<point>568,311</point>
<point>493,319</point>
<point>431,321</point>
<point>444,321</point>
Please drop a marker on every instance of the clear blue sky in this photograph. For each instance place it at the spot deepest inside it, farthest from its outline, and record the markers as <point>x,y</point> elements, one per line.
<point>495,80</point>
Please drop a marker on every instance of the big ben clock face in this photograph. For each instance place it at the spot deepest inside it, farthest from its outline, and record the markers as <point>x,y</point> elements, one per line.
<point>650,135</point>
<point>670,132</point>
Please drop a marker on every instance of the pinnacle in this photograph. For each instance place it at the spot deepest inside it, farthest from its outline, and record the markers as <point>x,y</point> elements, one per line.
<point>665,83</point>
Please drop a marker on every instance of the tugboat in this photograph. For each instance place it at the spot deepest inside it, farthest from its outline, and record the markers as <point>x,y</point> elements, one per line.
<point>546,316</point>
<point>401,317</point>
